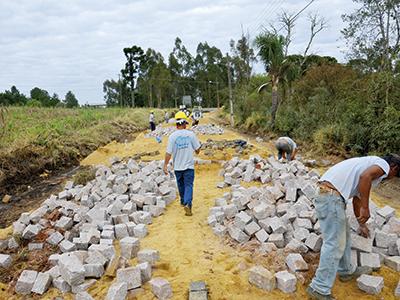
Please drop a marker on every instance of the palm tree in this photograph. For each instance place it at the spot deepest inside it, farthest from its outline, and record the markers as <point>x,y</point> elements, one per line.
<point>271,51</point>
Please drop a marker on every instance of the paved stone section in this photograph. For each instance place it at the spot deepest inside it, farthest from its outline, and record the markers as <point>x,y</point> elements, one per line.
<point>286,282</point>
<point>25,282</point>
<point>262,278</point>
<point>117,291</point>
<point>161,288</point>
<point>370,284</point>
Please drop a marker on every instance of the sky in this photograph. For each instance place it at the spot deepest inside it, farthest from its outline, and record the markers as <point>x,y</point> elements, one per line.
<point>77,44</point>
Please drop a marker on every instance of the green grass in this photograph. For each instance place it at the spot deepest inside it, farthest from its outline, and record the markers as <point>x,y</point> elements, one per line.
<point>40,126</point>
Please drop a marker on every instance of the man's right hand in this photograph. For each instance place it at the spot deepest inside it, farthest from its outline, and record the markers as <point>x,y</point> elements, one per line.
<point>364,215</point>
<point>165,169</point>
<point>363,230</point>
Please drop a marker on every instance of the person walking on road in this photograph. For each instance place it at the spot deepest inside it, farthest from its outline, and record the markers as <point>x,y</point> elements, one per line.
<point>350,179</point>
<point>166,117</point>
<point>181,145</point>
<point>151,121</point>
<point>287,148</point>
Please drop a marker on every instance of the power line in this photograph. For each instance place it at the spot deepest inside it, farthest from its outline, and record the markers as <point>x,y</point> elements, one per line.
<point>263,15</point>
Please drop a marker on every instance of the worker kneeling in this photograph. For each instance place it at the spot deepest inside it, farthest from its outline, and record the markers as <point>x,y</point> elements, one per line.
<point>287,148</point>
<point>181,145</point>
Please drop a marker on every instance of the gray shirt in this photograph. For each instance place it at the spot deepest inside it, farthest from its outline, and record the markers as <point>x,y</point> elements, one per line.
<point>181,145</point>
<point>345,176</point>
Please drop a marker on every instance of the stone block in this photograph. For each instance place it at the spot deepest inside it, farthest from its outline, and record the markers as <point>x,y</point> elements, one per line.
<point>220,230</point>
<point>370,284</point>
<point>117,291</point>
<point>262,236</point>
<point>262,278</point>
<point>107,234</point>
<point>35,246</point>
<point>301,234</point>
<point>295,262</point>
<point>107,251</point>
<point>263,211</point>
<point>25,282</point>
<point>55,238</point>
<point>268,247</point>
<point>121,231</point>
<point>302,223</point>
<point>397,290</point>
<point>242,219</point>
<point>18,228</point>
<point>145,271</point>
<point>251,228</point>
<point>237,234</point>
<point>393,262</point>
<point>61,284</point>
<point>277,225</point>
<point>383,239</point>
<point>67,246</point>
<point>277,239</point>
<point>53,259</point>
<point>64,223</point>
<point>286,282</point>
<point>161,288</point>
<point>360,243</point>
<point>94,270</point>
<point>295,245</point>
<point>5,261</point>
<point>71,269</point>
<point>148,255</point>
<point>42,283</point>
<point>131,276</point>
<point>31,231</point>
<point>230,211</point>
<point>129,247</point>
<point>314,242</point>
<point>371,260</point>
<point>386,212</point>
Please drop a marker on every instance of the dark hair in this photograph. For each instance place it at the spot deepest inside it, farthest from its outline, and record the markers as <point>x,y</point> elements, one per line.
<point>393,160</point>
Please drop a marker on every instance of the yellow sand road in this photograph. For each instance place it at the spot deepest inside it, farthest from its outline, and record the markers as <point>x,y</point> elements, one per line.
<point>188,248</point>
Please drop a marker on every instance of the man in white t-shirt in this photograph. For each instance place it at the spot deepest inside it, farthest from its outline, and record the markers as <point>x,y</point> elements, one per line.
<point>286,147</point>
<point>350,179</point>
<point>181,145</point>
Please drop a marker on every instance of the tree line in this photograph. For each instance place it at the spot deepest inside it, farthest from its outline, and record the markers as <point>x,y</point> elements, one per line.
<point>38,98</point>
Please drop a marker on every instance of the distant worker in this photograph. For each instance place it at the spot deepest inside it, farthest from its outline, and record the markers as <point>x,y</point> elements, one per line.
<point>287,148</point>
<point>166,117</point>
<point>151,121</point>
<point>350,179</point>
<point>181,145</point>
<point>195,121</point>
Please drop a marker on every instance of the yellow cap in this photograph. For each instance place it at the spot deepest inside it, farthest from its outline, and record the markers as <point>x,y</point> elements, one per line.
<point>180,115</point>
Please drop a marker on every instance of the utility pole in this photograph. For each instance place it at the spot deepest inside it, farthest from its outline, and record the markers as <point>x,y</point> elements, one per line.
<point>120,89</point>
<point>217,94</point>
<point>228,67</point>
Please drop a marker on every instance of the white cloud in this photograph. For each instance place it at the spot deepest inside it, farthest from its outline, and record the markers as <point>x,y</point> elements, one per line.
<point>77,44</point>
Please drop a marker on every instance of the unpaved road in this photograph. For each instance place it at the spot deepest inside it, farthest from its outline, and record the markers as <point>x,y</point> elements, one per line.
<point>189,249</point>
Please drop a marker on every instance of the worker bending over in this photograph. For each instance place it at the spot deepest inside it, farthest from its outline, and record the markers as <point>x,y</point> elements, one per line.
<point>350,179</point>
<point>181,145</point>
<point>286,147</point>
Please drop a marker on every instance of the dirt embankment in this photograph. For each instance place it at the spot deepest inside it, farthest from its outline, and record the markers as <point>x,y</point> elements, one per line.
<point>32,173</point>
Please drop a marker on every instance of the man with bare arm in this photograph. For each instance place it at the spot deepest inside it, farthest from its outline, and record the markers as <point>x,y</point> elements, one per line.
<point>351,179</point>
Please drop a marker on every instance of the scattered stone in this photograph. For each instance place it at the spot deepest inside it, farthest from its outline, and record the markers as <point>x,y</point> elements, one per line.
<point>286,281</point>
<point>148,255</point>
<point>131,276</point>
<point>42,283</point>
<point>314,242</point>
<point>67,246</point>
<point>295,262</point>
<point>55,238</point>
<point>370,284</point>
<point>25,282</point>
<point>371,260</point>
<point>397,290</point>
<point>262,278</point>
<point>393,262</point>
<point>145,271</point>
<point>386,212</point>
<point>129,247</point>
<point>117,291</point>
<point>83,296</point>
<point>161,288</point>
<point>5,261</point>
<point>361,243</point>
<point>71,269</point>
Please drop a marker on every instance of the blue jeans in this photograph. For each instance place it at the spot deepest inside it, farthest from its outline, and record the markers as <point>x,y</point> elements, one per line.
<point>335,256</point>
<point>185,180</point>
